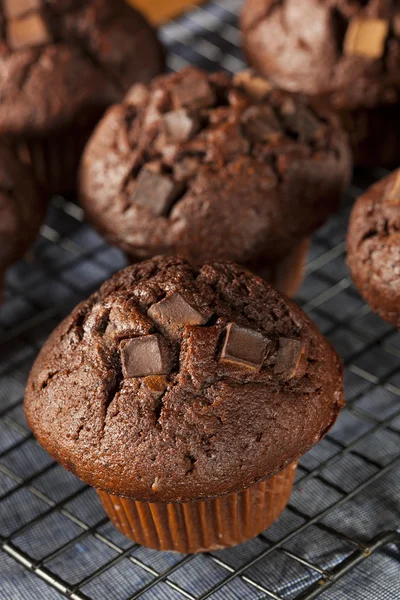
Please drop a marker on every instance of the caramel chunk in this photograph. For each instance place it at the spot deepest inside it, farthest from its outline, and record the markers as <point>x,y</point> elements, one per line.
<point>137,95</point>
<point>28,32</point>
<point>17,8</point>
<point>155,384</point>
<point>366,37</point>
<point>257,87</point>
<point>393,194</point>
<point>178,126</point>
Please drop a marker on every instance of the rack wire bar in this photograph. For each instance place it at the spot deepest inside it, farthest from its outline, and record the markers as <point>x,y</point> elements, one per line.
<point>55,539</point>
<point>349,563</point>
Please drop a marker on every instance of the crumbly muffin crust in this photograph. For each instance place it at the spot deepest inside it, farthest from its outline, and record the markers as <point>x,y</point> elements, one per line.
<point>176,384</point>
<point>373,247</point>
<point>199,165</point>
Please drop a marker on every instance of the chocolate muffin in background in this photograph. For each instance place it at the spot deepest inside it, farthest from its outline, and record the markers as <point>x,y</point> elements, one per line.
<point>373,247</point>
<point>22,210</point>
<point>62,63</point>
<point>186,397</point>
<point>210,168</point>
<point>344,54</point>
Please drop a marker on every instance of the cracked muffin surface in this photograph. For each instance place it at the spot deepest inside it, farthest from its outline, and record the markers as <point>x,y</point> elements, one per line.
<point>22,210</point>
<point>173,383</point>
<point>212,168</point>
<point>373,247</point>
<point>65,61</point>
<point>344,50</point>
<point>344,54</point>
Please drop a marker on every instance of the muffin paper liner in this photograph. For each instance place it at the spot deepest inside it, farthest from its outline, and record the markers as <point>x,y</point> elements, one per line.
<point>374,134</point>
<point>205,525</point>
<point>55,159</point>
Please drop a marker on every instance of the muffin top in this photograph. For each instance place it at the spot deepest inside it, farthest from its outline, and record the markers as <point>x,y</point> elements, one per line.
<point>173,384</point>
<point>22,209</point>
<point>199,165</point>
<point>373,246</point>
<point>347,50</point>
<point>66,60</point>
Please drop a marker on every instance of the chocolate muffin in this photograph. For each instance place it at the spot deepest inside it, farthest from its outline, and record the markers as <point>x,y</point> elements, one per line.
<point>373,247</point>
<point>62,63</point>
<point>183,394</point>
<point>22,209</point>
<point>342,53</point>
<point>199,165</point>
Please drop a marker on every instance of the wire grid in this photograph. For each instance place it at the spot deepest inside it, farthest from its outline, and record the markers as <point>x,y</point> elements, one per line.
<point>345,507</point>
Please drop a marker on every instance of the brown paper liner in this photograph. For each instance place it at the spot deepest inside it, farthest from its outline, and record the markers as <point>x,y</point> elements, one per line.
<point>374,134</point>
<point>205,525</point>
<point>55,159</point>
<point>286,275</point>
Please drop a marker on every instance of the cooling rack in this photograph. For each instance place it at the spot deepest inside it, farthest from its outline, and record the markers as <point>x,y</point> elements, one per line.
<point>337,537</point>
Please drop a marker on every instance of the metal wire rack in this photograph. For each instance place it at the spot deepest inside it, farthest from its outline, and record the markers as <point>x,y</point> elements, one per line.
<point>338,535</point>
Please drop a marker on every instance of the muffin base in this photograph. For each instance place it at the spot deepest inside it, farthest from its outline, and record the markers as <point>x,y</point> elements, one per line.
<point>55,159</point>
<point>374,135</point>
<point>286,275</point>
<point>205,525</point>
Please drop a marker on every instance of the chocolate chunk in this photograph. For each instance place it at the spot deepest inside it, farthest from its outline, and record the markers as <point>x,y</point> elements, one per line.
<point>257,87</point>
<point>193,92</point>
<point>178,126</point>
<point>303,122</point>
<point>291,360</point>
<point>260,123</point>
<point>366,37</point>
<point>156,385</point>
<point>27,32</point>
<point>173,313</point>
<point>125,320</point>
<point>155,191</point>
<point>393,194</point>
<point>146,355</point>
<point>18,8</point>
<point>244,347</point>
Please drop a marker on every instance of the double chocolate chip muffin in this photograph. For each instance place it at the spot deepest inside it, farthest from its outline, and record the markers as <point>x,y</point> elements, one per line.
<point>62,63</point>
<point>342,53</point>
<point>22,209</point>
<point>373,245</point>
<point>210,168</point>
<point>186,397</point>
